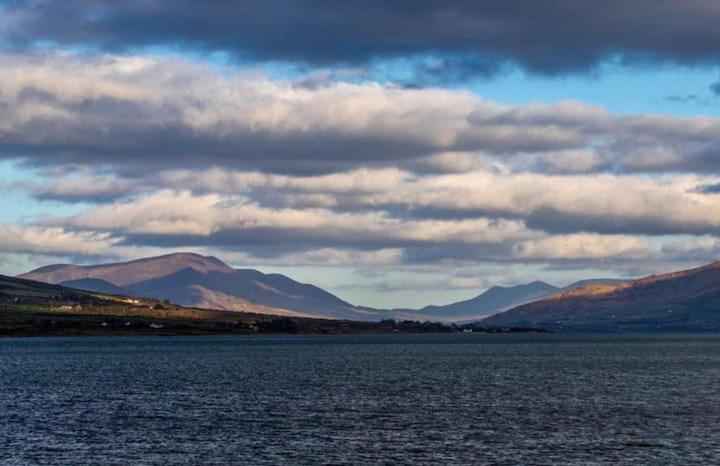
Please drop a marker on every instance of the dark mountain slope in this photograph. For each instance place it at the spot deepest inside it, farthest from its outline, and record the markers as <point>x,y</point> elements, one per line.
<point>124,273</point>
<point>685,300</point>
<point>494,300</point>
<point>194,280</point>
<point>96,285</point>
<point>242,289</point>
<point>18,289</point>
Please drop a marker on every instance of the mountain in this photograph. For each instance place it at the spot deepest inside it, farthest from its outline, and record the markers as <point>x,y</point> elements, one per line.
<point>685,300</point>
<point>29,308</point>
<point>494,300</point>
<point>96,285</point>
<point>31,292</point>
<point>594,281</point>
<point>127,273</point>
<point>199,281</point>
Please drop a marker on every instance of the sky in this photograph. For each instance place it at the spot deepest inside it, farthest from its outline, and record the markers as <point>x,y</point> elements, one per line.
<point>396,153</point>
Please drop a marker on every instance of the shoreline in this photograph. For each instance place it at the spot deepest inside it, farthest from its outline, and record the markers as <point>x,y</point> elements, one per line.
<point>26,324</point>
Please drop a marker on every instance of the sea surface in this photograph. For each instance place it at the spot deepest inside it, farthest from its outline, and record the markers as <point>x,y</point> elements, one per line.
<point>387,399</point>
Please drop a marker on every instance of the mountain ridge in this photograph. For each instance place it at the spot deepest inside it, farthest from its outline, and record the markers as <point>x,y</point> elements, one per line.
<point>686,299</point>
<point>492,300</point>
<point>126,273</point>
<point>194,280</point>
<point>496,299</point>
<point>682,300</point>
<point>96,285</point>
<point>191,279</point>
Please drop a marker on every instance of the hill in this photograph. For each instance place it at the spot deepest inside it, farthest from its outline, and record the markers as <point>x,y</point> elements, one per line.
<point>206,282</point>
<point>97,285</point>
<point>199,281</point>
<point>685,300</point>
<point>493,301</point>
<point>29,308</point>
<point>127,273</point>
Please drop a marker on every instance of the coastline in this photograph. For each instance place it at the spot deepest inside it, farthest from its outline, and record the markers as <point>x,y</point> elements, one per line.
<point>45,323</point>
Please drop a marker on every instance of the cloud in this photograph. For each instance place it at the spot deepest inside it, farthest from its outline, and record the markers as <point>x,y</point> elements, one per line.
<point>584,246</point>
<point>53,241</point>
<point>715,88</point>
<point>708,188</point>
<point>391,219</point>
<point>339,257</point>
<point>329,168</point>
<point>631,204</point>
<point>465,219</point>
<point>388,199</point>
<point>139,114</point>
<point>180,218</point>
<point>133,112</point>
<point>693,248</point>
<point>173,155</point>
<point>88,188</point>
<point>468,36</point>
<point>690,99</point>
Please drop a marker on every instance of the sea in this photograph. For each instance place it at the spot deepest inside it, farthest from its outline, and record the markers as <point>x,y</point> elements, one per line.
<point>456,399</point>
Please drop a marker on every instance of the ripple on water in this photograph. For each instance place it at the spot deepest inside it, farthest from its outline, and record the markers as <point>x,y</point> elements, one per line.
<point>448,399</point>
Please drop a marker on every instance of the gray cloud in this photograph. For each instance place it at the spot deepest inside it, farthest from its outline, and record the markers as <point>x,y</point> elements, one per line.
<point>140,114</point>
<point>709,188</point>
<point>546,37</point>
<point>385,200</point>
<point>518,219</point>
<point>93,189</point>
<point>715,88</point>
<point>333,169</point>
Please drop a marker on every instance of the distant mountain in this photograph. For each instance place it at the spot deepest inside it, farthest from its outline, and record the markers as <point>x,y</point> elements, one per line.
<point>494,300</point>
<point>96,285</point>
<point>31,292</point>
<point>594,281</point>
<point>127,273</point>
<point>199,281</point>
<point>685,300</point>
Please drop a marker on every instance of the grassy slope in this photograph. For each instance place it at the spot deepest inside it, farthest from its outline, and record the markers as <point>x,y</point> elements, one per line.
<point>687,300</point>
<point>29,308</point>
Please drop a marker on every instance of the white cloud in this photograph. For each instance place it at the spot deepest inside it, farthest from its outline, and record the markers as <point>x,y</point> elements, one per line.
<point>181,213</point>
<point>132,111</point>
<point>53,241</point>
<point>178,155</point>
<point>585,246</point>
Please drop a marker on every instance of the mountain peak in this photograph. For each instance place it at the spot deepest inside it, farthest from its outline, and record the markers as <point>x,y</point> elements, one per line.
<point>126,273</point>
<point>540,283</point>
<point>204,281</point>
<point>685,299</point>
<point>189,259</point>
<point>494,299</point>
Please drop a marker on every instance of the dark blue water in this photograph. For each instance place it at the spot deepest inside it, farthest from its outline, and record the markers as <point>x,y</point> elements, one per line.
<point>448,399</point>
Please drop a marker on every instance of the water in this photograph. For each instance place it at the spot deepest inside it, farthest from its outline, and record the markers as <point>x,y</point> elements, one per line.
<point>431,399</point>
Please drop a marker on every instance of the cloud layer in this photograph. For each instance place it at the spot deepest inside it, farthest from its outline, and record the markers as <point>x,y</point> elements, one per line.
<point>135,113</point>
<point>469,37</point>
<point>158,154</point>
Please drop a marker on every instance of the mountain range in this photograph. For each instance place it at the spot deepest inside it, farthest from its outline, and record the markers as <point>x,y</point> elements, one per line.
<point>493,301</point>
<point>681,300</point>
<point>207,282</point>
<point>199,281</point>
<point>685,300</point>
